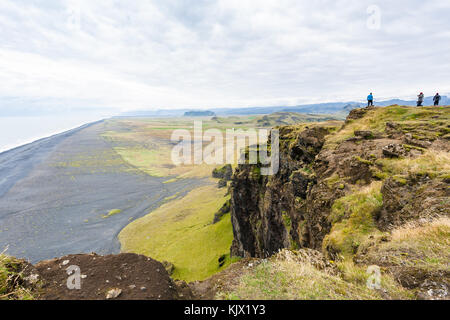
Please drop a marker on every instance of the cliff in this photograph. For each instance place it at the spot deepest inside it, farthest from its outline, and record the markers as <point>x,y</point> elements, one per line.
<point>347,189</point>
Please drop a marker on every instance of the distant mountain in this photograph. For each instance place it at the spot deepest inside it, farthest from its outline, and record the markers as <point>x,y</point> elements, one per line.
<point>199,114</point>
<point>445,101</point>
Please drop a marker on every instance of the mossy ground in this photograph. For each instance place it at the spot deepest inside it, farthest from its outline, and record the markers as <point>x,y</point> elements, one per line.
<point>286,279</point>
<point>432,163</point>
<point>352,216</point>
<point>182,233</point>
<point>420,245</point>
<point>10,280</point>
<point>352,219</point>
<point>421,122</point>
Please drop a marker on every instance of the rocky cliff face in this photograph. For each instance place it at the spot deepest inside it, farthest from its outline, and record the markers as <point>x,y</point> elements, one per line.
<point>338,183</point>
<point>271,212</point>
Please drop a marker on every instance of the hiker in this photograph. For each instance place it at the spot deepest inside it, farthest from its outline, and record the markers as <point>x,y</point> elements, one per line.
<point>370,100</point>
<point>420,99</point>
<point>436,99</point>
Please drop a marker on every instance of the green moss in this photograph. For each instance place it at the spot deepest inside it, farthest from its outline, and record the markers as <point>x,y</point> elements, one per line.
<point>333,180</point>
<point>378,174</point>
<point>352,220</point>
<point>12,280</point>
<point>400,179</point>
<point>112,213</point>
<point>359,159</point>
<point>410,147</point>
<point>287,221</point>
<point>256,172</point>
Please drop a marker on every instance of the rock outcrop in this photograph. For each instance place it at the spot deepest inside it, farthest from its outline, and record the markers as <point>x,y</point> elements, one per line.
<point>269,212</point>
<point>325,162</point>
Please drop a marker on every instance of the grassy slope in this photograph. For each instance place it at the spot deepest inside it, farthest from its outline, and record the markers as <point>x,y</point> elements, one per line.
<point>283,277</point>
<point>10,280</point>
<point>416,120</point>
<point>181,232</point>
<point>425,246</point>
<point>352,215</point>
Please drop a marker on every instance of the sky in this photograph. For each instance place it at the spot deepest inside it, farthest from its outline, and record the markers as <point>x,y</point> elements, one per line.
<point>144,54</point>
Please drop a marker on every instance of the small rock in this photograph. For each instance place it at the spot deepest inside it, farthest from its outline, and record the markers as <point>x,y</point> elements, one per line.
<point>393,150</point>
<point>132,286</point>
<point>32,278</point>
<point>83,276</point>
<point>169,267</point>
<point>65,262</point>
<point>222,183</point>
<point>143,288</point>
<point>113,293</point>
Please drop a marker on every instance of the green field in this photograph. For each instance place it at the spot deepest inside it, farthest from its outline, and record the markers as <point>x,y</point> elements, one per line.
<point>181,232</point>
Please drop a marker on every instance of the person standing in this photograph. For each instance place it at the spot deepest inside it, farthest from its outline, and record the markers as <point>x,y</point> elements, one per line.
<point>436,99</point>
<point>420,99</point>
<point>370,100</point>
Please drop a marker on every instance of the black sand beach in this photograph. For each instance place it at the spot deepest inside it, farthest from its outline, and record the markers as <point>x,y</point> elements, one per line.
<point>56,192</point>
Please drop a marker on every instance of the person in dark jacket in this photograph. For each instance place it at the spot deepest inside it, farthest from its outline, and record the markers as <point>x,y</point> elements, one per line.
<point>436,99</point>
<point>420,99</point>
<point>370,100</point>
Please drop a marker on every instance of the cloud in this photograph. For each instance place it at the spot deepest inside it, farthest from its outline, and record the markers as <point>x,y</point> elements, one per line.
<point>166,54</point>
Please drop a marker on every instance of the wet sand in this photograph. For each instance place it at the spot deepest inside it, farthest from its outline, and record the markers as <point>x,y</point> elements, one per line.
<point>55,193</point>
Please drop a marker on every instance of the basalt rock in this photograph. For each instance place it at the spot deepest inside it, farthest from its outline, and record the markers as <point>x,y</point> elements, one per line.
<point>411,198</point>
<point>269,212</point>
<point>394,151</point>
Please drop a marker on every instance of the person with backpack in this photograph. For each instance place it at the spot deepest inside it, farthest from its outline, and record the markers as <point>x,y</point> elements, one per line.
<point>370,100</point>
<point>436,99</point>
<point>420,99</point>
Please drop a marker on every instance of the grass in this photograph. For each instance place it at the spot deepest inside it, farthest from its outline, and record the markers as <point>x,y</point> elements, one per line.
<point>414,120</point>
<point>352,220</point>
<point>431,163</point>
<point>11,278</point>
<point>423,245</point>
<point>146,145</point>
<point>182,233</point>
<point>287,279</point>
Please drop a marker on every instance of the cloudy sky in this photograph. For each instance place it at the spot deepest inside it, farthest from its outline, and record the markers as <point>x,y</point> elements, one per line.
<point>145,54</point>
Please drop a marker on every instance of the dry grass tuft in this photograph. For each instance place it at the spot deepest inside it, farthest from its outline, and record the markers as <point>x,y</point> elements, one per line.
<point>12,280</point>
<point>295,276</point>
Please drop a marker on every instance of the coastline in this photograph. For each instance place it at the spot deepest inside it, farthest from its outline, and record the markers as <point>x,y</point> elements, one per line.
<point>6,123</point>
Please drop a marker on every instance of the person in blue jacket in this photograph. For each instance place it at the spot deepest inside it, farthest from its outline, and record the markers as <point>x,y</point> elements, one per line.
<point>370,100</point>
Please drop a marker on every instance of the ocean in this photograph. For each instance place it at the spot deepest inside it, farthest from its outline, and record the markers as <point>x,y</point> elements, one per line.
<point>17,131</point>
